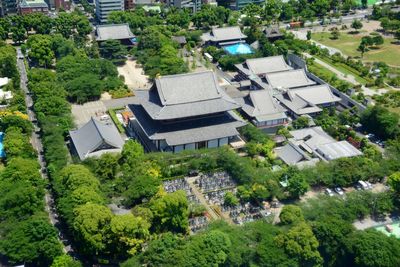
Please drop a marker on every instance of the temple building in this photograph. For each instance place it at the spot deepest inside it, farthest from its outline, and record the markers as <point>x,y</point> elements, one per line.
<point>185,111</point>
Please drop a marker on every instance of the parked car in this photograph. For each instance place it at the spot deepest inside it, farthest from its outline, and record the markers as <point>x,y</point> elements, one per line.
<point>329,192</point>
<point>363,185</point>
<point>339,190</point>
<point>369,185</point>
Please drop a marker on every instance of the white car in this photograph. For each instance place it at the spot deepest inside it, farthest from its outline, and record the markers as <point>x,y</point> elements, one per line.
<point>329,192</point>
<point>339,191</point>
<point>369,185</point>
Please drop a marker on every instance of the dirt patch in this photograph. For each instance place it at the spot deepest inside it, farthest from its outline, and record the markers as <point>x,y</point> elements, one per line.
<point>134,75</point>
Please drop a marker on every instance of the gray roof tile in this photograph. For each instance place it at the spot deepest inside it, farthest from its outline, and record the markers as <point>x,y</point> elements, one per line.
<point>113,32</point>
<point>93,135</point>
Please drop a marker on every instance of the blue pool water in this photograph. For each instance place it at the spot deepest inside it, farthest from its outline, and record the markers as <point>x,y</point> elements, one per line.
<point>238,49</point>
<point>2,153</point>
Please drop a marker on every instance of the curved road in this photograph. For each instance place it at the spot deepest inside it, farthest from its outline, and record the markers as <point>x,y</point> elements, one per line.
<point>37,145</point>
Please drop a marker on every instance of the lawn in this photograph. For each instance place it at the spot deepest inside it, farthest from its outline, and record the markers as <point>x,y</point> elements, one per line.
<point>389,52</point>
<point>370,2</point>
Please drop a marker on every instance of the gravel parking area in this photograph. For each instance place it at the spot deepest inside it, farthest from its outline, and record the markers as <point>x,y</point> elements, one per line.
<point>83,113</point>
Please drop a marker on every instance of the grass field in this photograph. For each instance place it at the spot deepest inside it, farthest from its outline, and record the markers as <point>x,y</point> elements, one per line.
<point>389,52</point>
<point>370,2</point>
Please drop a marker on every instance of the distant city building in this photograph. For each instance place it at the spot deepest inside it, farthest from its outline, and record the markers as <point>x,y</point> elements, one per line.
<point>33,6</point>
<point>62,4</point>
<point>239,4</point>
<point>183,112</point>
<point>8,7</point>
<point>192,5</point>
<point>120,32</point>
<point>105,7</point>
<point>131,4</point>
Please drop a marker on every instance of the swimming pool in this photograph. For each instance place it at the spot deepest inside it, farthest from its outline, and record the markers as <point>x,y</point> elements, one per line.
<point>395,229</point>
<point>238,49</point>
<point>2,153</point>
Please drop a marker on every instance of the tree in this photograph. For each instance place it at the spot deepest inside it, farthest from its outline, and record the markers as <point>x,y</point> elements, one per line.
<point>91,226</point>
<point>65,261</point>
<point>291,214</point>
<point>40,50</point>
<point>84,88</point>
<point>74,176</point>
<point>381,121</point>
<point>131,153</point>
<point>397,35</point>
<point>335,34</point>
<point>16,144</point>
<point>33,241</point>
<point>141,187</point>
<point>371,248</point>
<point>230,199</point>
<point>364,3</point>
<point>170,212</point>
<point>113,50</point>
<point>18,34</point>
<point>394,182</point>
<point>356,25</point>
<point>308,35</point>
<point>297,185</point>
<point>301,122</point>
<point>300,242</point>
<point>362,48</point>
<point>332,233</point>
<point>128,233</point>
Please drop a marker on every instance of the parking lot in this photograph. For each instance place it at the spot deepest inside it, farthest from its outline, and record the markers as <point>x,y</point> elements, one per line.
<point>83,113</point>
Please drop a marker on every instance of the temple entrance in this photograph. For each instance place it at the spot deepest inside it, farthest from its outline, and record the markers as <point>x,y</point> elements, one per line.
<point>201,145</point>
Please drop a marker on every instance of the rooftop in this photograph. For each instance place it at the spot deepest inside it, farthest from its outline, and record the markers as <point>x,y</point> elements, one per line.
<point>265,65</point>
<point>94,138</point>
<point>316,141</point>
<point>261,105</point>
<point>186,95</point>
<point>224,34</point>
<point>33,3</point>
<point>113,32</point>
<point>337,150</point>
<point>288,79</point>
<point>305,100</point>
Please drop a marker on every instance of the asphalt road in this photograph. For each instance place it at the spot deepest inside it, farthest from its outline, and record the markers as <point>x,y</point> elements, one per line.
<point>37,145</point>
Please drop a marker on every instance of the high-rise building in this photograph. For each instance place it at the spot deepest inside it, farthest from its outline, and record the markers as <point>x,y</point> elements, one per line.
<point>193,5</point>
<point>8,7</point>
<point>105,7</point>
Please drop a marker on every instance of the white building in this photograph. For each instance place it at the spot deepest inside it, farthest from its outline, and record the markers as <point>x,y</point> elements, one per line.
<point>105,7</point>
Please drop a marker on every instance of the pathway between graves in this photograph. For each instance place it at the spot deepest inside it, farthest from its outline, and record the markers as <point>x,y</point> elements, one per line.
<point>201,198</point>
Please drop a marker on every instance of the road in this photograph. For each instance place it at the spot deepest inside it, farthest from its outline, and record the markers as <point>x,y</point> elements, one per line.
<point>37,145</point>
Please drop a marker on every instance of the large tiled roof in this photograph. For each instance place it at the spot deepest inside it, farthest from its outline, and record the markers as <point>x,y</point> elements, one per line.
<point>297,104</point>
<point>289,79</point>
<point>318,94</point>
<point>113,32</point>
<point>304,100</point>
<point>261,105</point>
<point>94,135</point>
<point>224,34</point>
<point>190,131</point>
<point>186,95</point>
<point>264,65</point>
